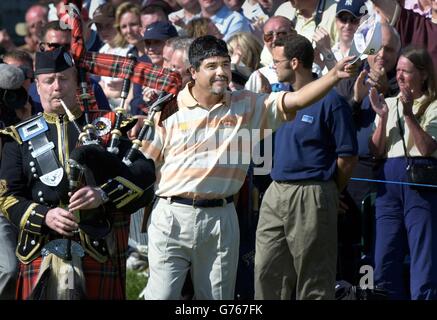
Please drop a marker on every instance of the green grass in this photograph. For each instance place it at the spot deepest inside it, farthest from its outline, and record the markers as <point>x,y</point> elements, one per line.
<point>135,283</point>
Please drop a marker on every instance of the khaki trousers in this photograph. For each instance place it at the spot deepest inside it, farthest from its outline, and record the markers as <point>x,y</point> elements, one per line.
<point>183,238</point>
<point>296,241</point>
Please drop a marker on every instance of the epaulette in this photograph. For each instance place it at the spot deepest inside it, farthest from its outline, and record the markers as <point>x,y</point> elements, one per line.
<point>29,128</point>
<point>26,129</point>
<point>11,132</point>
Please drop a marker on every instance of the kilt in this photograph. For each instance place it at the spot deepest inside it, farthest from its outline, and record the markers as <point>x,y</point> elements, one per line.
<point>103,281</point>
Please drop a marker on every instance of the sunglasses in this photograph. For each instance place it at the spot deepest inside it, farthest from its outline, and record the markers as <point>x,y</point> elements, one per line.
<point>268,37</point>
<point>49,46</point>
<point>347,18</point>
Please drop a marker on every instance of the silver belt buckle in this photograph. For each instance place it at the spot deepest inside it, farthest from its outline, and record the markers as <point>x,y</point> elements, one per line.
<point>58,247</point>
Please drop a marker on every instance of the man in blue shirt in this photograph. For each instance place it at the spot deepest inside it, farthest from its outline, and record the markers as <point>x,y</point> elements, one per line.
<point>296,240</point>
<point>227,21</point>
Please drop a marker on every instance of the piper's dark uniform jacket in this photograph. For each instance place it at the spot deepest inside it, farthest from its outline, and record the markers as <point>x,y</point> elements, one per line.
<point>25,200</point>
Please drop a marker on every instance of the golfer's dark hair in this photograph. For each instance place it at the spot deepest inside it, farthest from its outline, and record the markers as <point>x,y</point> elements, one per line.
<point>206,47</point>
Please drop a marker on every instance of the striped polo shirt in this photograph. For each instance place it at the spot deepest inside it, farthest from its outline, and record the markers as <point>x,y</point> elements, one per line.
<point>204,153</point>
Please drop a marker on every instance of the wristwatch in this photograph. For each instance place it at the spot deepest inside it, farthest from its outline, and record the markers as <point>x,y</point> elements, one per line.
<point>328,56</point>
<point>103,195</point>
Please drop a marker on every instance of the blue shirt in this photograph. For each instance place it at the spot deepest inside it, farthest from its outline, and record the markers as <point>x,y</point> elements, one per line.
<point>229,22</point>
<point>307,148</point>
<point>364,124</point>
<point>102,101</point>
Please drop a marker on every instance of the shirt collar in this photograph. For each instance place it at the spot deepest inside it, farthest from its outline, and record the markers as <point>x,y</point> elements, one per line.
<point>53,117</point>
<point>299,14</point>
<point>220,15</point>
<point>186,99</point>
<point>417,103</point>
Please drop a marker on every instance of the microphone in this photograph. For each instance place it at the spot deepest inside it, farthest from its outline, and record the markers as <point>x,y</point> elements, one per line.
<point>11,77</point>
<point>12,95</point>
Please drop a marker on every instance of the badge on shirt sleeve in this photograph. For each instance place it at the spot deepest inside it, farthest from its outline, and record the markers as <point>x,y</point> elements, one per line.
<point>308,119</point>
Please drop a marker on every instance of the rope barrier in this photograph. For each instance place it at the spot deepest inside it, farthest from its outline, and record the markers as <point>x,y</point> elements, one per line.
<point>395,182</point>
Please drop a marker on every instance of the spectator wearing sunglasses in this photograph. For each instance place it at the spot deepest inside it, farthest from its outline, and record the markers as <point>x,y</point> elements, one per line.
<point>302,13</point>
<point>53,37</point>
<point>347,20</point>
<point>258,12</point>
<point>276,27</point>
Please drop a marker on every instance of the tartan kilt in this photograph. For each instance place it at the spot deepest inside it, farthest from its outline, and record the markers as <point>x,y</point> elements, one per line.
<point>103,281</point>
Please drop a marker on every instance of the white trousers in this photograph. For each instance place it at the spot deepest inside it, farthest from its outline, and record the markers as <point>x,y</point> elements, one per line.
<point>205,240</point>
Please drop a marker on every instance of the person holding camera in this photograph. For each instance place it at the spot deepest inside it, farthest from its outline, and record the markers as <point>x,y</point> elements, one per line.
<point>406,127</point>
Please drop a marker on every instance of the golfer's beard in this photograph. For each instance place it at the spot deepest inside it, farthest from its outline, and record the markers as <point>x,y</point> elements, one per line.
<point>218,91</point>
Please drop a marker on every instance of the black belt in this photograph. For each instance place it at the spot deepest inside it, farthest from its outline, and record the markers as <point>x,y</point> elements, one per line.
<point>206,203</point>
<point>286,181</point>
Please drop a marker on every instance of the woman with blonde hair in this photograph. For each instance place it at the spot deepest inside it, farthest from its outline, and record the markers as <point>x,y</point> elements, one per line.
<point>245,52</point>
<point>128,26</point>
<point>247,47</point>
<point>128,40</point>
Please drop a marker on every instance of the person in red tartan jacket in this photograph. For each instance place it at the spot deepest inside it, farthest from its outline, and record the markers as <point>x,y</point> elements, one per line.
<point>143,73</point>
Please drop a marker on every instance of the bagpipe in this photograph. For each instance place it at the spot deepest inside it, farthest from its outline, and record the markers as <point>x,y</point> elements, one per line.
<point>109,160</point>
<point>104,157</point>
<point>116,164</point>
